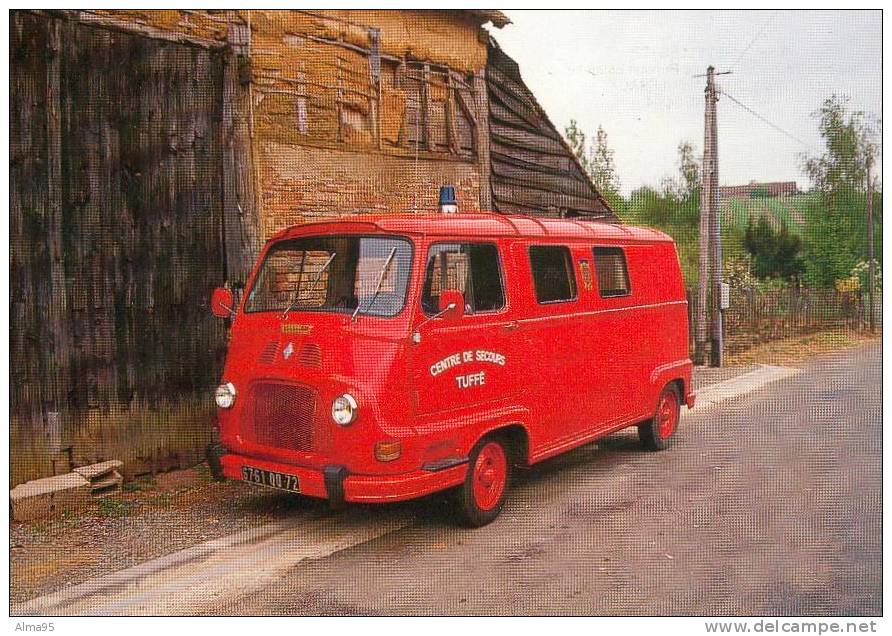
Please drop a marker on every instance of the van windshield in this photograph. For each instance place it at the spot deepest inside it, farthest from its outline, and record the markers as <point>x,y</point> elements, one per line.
<point>334,273</point>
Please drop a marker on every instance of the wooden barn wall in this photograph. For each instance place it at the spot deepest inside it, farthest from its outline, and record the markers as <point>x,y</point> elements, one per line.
<point>533,170</point>
<point>116,232</point>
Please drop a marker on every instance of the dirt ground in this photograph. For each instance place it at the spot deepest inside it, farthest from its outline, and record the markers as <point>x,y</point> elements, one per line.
<point>172,511</point>
<point>792,351</point>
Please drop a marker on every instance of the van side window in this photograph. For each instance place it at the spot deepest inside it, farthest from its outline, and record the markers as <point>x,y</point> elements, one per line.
<point>613,274</point>
<point>471,268</point>
<point>553,275</point>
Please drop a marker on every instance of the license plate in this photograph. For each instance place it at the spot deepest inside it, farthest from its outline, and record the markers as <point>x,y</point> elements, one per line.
<point>270,478</point>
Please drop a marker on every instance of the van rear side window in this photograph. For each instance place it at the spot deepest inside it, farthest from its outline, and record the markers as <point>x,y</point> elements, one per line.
<point>553,275</point>
<point>471,268</point>
<point>612,272</point>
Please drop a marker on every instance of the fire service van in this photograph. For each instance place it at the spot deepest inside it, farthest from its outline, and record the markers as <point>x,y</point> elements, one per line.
<point>383,358</point>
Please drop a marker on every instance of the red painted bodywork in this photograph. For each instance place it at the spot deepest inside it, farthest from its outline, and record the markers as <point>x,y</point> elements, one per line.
<point>573,371</point>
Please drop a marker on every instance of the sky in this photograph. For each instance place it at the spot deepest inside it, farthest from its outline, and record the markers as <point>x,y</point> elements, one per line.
<point>632,72</point>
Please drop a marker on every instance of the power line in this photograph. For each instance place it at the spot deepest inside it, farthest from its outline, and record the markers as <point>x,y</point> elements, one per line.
<point>758,116</point>
<point>753,41</point>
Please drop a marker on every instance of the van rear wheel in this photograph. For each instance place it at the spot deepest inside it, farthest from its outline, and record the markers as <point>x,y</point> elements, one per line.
<point>481,497</point>
<point>656,432</point>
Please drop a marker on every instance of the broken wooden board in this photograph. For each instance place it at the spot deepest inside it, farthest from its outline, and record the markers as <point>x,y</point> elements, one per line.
<point>95,471</point>
<point>109,484</point>
<point>49,497</point>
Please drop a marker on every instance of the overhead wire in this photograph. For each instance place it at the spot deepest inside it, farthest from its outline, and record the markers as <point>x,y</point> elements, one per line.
<point>763,119</point>
<point>754,40</point>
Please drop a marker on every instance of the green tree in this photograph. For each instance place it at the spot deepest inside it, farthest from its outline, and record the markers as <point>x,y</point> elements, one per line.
<point>689,169</point>
<point>835,229</point>
<point>576,140</point>
<point>760,193</point>
<point>601,166</point>
<point>598,163</point>
<point>775,253</point>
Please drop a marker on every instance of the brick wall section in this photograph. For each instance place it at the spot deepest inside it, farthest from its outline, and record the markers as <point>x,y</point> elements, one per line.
<point>302,184</point>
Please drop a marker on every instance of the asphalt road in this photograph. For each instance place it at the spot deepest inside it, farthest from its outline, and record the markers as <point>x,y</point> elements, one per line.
<point>768,503</point>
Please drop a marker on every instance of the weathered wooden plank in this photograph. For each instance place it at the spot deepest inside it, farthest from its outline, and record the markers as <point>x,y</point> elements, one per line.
<point>526,140</point>
<point>504,117</point>
<point>523,195</point>
<point>534,160</point>
<point>27,209</point>
<point>563,183</point>
<point>522,105</point>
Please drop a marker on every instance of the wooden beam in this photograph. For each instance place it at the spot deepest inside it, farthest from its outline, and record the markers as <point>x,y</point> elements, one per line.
<point>241,227</point>
<point>481,132</point>
<point>339,108</point>
<point>375,75</point>
<point>535,197</point>
<point>425,97</point>
<point>108,22</point>
<point>451,133</point>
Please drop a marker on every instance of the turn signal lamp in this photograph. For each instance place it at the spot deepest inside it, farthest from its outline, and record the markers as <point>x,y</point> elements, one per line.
<point>388,451</point>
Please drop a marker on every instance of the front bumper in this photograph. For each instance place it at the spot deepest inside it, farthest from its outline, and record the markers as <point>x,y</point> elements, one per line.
<point>337,485</point>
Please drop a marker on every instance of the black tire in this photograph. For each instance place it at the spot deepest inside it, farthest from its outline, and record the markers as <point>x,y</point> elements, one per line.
<point>656,434</point>
<point>477,504</point>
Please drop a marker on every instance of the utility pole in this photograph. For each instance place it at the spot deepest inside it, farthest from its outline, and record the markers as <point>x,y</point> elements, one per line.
<point>709,288</point>
<point>715,226</point>
<point>710,278</point>
<point>705,223</point>
<point>871,264</point>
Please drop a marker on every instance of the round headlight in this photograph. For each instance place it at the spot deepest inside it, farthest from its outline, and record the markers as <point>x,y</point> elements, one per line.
<point>225,395</point>
<point>344,409</point>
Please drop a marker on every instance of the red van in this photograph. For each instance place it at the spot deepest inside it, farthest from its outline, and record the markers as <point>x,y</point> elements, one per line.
<point>382,358</point>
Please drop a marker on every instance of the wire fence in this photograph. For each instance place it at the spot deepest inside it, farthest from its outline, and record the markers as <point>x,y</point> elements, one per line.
<point>755,316</point>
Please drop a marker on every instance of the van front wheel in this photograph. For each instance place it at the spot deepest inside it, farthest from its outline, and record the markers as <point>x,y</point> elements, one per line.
<point>482,495</point>
<point>656,432</point>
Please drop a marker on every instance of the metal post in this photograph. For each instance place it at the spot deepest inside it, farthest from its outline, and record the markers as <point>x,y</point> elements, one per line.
<point>871,263</point>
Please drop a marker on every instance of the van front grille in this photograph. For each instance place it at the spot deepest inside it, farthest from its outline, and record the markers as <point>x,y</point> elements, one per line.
<point>283,416</point>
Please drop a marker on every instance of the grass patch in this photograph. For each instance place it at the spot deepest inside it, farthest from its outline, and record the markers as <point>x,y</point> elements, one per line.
<point>114,507</point>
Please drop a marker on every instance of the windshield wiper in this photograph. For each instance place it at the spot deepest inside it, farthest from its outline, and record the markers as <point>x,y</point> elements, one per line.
<point>377,287</point>
<point>312,286</point>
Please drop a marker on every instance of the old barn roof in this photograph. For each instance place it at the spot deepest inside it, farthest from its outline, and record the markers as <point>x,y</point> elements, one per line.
<point>533,168</point>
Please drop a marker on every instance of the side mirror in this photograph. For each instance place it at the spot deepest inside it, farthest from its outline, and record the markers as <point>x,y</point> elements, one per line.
<point>452,304</point>
<point>222,303</point>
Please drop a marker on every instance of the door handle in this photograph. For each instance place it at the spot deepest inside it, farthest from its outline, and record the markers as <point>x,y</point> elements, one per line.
<point>511,326</point>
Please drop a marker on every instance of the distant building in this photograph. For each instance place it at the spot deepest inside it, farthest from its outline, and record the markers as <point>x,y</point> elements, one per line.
<point>754,189</point>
